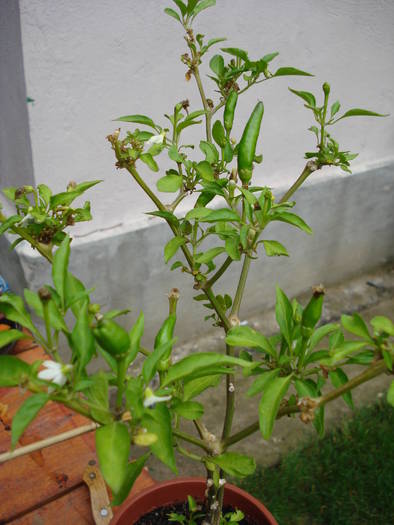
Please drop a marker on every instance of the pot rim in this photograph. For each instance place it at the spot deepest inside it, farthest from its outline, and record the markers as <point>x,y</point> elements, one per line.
<point>198,482</point>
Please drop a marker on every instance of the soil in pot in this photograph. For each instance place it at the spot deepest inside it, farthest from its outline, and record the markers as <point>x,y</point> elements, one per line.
<point>160,516</point>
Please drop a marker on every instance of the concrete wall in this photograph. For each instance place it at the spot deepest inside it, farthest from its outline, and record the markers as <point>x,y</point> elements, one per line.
<point>86,63</point>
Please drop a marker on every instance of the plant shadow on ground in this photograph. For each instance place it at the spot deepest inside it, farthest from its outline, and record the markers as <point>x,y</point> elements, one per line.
<point>346,478</point>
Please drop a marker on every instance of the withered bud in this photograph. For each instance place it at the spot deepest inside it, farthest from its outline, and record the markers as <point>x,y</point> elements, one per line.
<point>210,103</point>
<point>44,294</point>
<point>233,175</point>
<point>185,104</point>
<point>318,290</point>
<point>188,75</point>
<point>71,185</point>
<point>19,192</point>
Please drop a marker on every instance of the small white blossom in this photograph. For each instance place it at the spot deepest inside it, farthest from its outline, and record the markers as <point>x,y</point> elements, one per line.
<point>222,482</point>
<point>231,387</point>
<point>151,399</point>
<point>55,372</point>
<point>156,139</point>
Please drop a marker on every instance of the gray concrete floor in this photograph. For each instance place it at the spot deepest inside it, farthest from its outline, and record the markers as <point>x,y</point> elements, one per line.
<point>372,294</point>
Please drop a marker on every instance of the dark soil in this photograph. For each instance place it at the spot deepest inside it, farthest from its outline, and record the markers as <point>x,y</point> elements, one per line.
<point>160,516</point>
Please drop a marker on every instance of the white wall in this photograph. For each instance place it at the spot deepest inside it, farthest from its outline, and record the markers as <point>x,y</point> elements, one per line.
<point>87,62</point>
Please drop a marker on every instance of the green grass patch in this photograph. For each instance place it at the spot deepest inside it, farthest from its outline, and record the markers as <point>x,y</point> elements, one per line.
<point>346,478</point>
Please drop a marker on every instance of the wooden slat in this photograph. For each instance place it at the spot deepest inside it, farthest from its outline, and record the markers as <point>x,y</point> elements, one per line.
<point>46,487</point>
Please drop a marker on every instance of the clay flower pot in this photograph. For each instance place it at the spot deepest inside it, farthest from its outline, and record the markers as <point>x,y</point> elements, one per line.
<point>177,490</point>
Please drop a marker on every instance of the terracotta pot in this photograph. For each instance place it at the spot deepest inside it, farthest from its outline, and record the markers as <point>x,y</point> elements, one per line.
<point>177,490</point>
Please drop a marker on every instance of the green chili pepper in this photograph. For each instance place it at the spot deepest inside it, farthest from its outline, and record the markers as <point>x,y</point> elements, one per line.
<point>228,115</point>
<point>247,145</point>
<point>219,134</point>
<point>112,337</point>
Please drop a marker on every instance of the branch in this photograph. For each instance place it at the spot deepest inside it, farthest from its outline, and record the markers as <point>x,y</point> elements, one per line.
<point>368,374</point>
<point>310,167</point>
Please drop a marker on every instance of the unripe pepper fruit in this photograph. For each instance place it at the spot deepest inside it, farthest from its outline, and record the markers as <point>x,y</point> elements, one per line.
<point>247,145</point>
<point>228,115</point>
<point>112,337</point>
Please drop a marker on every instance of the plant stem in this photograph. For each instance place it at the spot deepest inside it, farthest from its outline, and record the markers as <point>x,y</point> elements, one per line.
<point>310,167</point>
<point>241,286</point>
<point>219,273</point>
<point>190,439</point>
<point>218,309</point>
<point>122,369</point>
<point>368,374</point>
<point>208,114</point>
<point>230,399</point>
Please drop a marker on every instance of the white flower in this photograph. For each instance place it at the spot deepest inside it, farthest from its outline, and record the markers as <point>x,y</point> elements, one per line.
<point>55,372</point>
<point>156,139</point>
<point>151,399</point>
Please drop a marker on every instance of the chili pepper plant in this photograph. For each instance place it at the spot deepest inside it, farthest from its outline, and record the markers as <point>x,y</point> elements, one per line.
<point>231,214</point>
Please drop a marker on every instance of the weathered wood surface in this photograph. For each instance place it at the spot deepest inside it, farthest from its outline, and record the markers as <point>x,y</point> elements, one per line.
<point>46,487</point>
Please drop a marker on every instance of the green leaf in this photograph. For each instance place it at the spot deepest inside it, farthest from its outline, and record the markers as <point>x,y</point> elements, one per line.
<point>25,415</point>
<point>169,183</point>
<point>172,13</point>
<point>249,338</point>
<point>203,4</point>
<point>172,247</point>
<point>76,296</point>
<point>291,218</point>
<point>285,71</point>
<point>232,248</point>
<point>356,325</point>
<point>390,394</point>
<point>12,307</point>
<point>8,336</point>
<point>149,161</point>
<point>151,362</point>
<point>135,335</point>
<point>284,315</point>
<point>59,267</point>
<point>9,223</point>
<point>13,371</point>
<point>223,214</point>
<point>217,65</point>
<point>236,52</point>
<point>67,197</point>
<point>305,95</point>
<point>273,248</point>
<point>188,409</point>
<point>335,108</point>
<point>320,333</point>
<point>357,112</point>
<point>197,213</point>
<point>261,382</point>
<point>383,324</point>
<point>343,351</point>
<point>205,170</point>
<point>174,154</point>
<point>209,255</point>
<point>269,404</point>
<point>305,388</point>
<point>339,378</point>
<point>235,464</point>
<point>138,119</point>
<point>193,363</point>
<point>181,6</point>
<point>97,394</point>
<point>270,56</point>
<point>133,470</point>
<point>82,339</point>
<point>194,387</point>
<point>168,216</point>
<point>113,448</point>
<point>210,151</point>
<point>158,422</point>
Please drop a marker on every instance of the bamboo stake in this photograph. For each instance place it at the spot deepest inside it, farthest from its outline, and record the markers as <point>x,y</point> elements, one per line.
<point>28,449</point>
